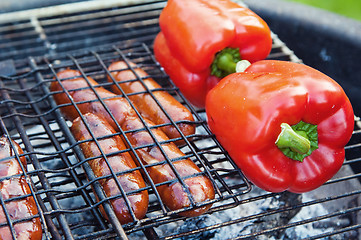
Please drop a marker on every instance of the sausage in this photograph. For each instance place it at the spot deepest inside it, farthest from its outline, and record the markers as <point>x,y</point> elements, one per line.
<point>130,181</point>
<point>173,194</point>
<point>80,91</point>
<point>147,105</point>
<point>15,187</point>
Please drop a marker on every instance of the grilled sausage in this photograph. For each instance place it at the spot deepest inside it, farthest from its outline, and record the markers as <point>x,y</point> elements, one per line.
<point>79,91</point>
<point>147,105</point>
<point>16,187</point>
<point>130,181</point>
<point>173,194</point>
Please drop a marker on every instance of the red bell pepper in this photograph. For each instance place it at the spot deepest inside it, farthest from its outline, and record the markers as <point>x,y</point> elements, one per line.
<point>201,41</point>
<point>284,124</point>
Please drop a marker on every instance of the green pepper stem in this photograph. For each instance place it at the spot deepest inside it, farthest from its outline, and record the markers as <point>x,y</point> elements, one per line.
<point>295,140</point>
<point>226,63</point>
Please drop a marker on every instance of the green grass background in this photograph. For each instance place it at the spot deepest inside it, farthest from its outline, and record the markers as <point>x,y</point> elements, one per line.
<point>348,8</point>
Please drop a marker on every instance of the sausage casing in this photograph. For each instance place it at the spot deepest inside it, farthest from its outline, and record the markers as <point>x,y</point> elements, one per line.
<point>16,187</point>
<point>147,105</point>
<point>173,195</point>
<point>130,181</point>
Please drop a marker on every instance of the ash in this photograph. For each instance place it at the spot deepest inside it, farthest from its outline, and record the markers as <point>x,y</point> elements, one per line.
<point>249,218</point>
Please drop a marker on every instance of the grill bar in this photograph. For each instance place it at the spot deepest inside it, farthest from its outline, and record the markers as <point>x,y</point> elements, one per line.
<point>310,220</point>
<point>67,9</point>
<point>57,35</point>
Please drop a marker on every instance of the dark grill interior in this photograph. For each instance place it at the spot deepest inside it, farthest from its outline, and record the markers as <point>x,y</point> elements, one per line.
<point>34,50</point>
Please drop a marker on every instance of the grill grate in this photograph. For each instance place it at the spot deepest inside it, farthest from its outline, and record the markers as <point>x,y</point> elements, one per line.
<point>63,181</point>
<point>69,32</point>
<point>56,156</point>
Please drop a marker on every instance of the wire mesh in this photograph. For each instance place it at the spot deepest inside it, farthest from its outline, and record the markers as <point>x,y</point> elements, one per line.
<point>64,173</point>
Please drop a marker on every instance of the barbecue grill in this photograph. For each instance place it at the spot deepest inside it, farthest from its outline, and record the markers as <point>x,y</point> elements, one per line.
<point>88,36</point>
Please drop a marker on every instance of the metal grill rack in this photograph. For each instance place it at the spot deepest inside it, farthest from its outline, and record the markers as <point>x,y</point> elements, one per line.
<point>32,50</point>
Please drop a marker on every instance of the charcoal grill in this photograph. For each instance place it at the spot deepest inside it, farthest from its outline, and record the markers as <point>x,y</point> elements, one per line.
<point>37,43</point>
